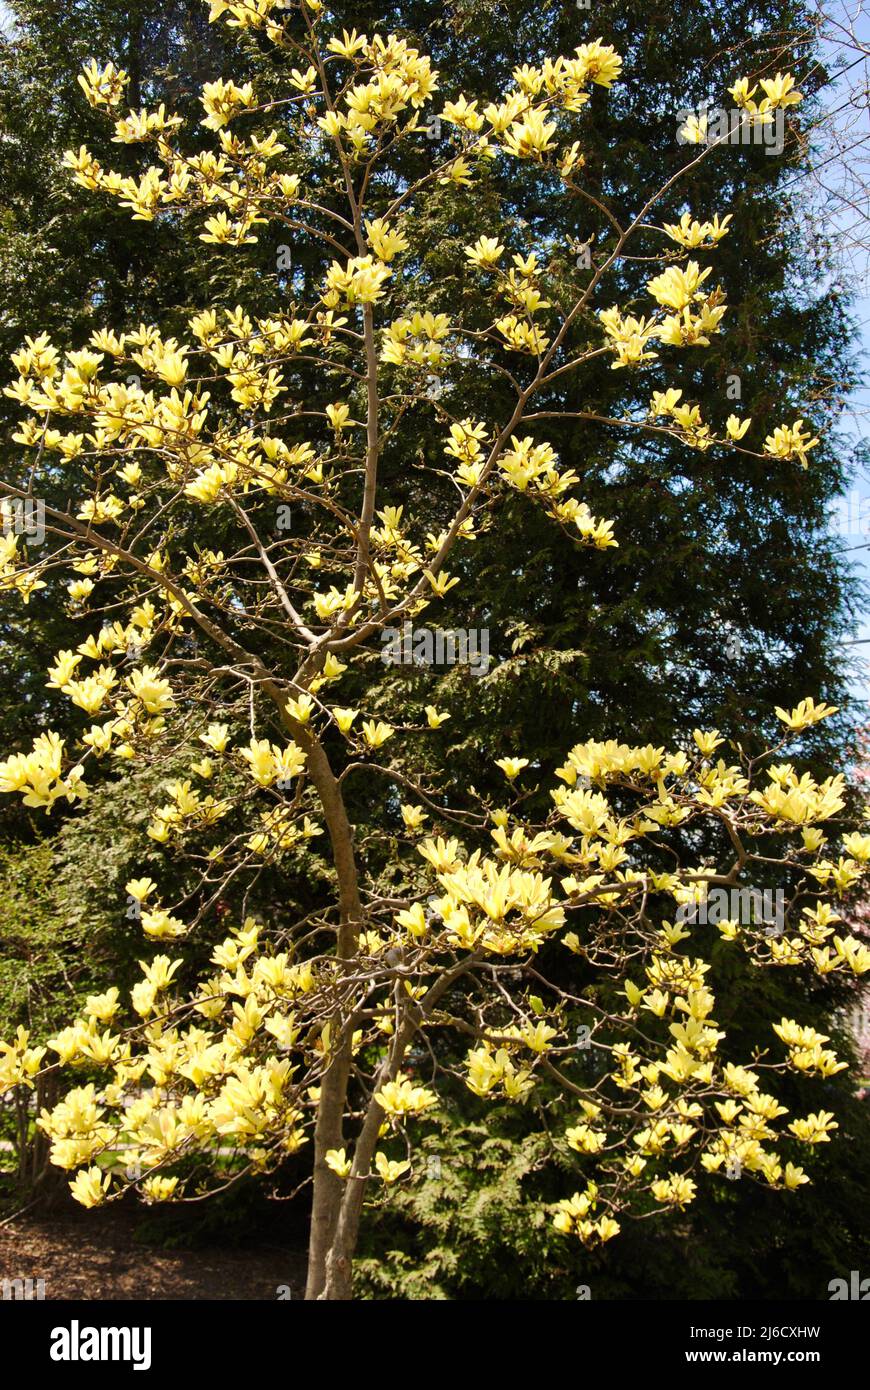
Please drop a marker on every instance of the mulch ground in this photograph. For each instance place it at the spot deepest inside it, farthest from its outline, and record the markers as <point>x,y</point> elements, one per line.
<point>96,1255</point>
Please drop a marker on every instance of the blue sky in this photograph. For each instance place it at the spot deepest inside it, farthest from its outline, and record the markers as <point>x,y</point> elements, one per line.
<point>849,221</point>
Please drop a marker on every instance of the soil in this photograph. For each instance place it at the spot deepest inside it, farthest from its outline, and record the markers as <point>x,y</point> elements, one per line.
<point>96,1255</point>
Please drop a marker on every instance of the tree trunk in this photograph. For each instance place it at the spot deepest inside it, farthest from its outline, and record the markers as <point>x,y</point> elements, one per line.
<point>328,1187</point>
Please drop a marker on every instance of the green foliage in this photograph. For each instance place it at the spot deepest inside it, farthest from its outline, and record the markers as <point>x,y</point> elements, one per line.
<point>482,1229</point>
<point>472,1229</point>
<point>48,966</point>
<point>45,968</point>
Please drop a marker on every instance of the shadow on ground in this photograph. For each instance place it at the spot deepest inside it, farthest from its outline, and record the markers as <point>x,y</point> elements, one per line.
<point>96,1255</point>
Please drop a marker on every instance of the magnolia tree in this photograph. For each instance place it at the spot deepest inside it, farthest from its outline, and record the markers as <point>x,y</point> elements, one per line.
<point>235,658</point>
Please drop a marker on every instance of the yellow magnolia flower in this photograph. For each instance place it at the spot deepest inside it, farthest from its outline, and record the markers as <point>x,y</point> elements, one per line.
<point>675,1190</point>
<point>103,86</point>
<point>694,131</point>
<point>485,253</point>
<point>388,1169</point>
<point>585,1140</point>
<point>435,718</point>
<point>794,1177</point>
<point>780,90</point>
<point>301,708</point>
<point>349,44</point>
<point>676,288</point>
<point>337,1160</point>
<point>463,113</point>
<point>159,1188</point>
<point>805,714</point>
<point>707,742</point>
<point>80,589</point>
<point>511,767</point>
<point>690,233</point>
<point>736,428</point>
<point>90,1187</point>
<point>413,920</point>
<point>103,1007</point>
<point>160,925</point>
<point>140,888</point>
<point>63,669</point>
<point>531,137</point>
<point>338,415</point>
<point>791,441</point>
<point>385,241</point>
<point>154,693</point>
<point>376,732</point>
<point>402,1097</point>
<point>216,737</point>
<point>815,1129</point>
<point>360,282</point>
